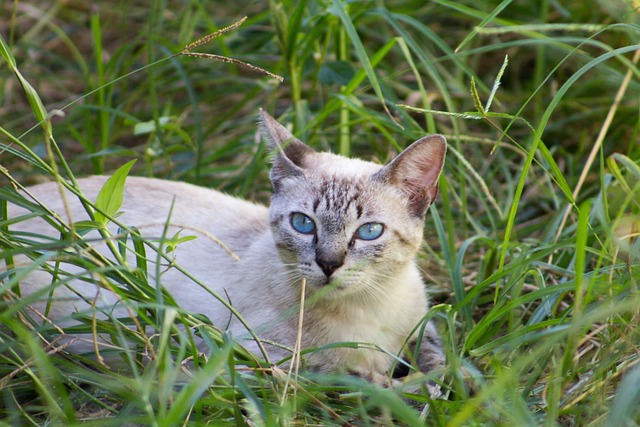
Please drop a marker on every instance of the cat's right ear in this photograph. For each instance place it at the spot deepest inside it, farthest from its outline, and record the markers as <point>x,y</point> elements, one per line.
<point>288,151</point>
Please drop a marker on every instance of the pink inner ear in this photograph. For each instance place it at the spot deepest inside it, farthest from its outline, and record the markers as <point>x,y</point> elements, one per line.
<point>421,173</point>
<point>422,162</point>
<point>421,184</point>
<point>417,169</point>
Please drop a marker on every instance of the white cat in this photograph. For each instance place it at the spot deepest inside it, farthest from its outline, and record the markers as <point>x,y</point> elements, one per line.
<point>351,229</point>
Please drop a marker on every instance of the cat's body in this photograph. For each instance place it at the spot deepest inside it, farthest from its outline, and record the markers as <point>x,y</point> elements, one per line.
<point>351,229</point>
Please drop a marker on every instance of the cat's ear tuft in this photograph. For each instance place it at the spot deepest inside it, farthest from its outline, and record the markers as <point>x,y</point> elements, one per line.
<point>416,171</point>
<point>288,151</point>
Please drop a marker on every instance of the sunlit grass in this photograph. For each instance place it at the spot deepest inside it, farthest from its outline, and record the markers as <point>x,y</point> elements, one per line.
<point>531,250</point>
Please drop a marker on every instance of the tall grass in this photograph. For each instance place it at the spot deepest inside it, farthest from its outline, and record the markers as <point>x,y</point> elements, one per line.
<point>531,251</point>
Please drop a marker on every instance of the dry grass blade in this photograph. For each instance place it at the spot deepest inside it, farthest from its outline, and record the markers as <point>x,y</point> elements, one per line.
<point>294,366</point>
<point>206,39</point>
<point>203,233</point>
<point>233,61</point>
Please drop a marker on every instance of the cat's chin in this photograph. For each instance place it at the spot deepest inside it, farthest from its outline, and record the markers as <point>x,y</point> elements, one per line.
<point>322,287</point>
<point>328,289</point>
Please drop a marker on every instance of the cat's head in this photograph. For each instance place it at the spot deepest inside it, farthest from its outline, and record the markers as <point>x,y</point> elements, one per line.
<point>345,224</point>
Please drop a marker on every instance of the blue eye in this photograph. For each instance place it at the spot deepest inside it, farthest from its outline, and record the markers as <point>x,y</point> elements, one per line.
<point>370,231</point>
<point>302,223</point>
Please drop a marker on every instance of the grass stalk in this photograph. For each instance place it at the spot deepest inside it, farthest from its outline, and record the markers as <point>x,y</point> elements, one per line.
<point>103,134</point>
<point>344,138</point>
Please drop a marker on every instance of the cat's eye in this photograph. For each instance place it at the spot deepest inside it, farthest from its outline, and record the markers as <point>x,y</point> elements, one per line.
<point>370,231</point>
<point>302,223</point>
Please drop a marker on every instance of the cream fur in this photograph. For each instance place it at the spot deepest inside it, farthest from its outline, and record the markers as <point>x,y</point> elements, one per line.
<point>377,310</point>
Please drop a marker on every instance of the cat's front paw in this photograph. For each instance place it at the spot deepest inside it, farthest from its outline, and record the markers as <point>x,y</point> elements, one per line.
<point>420,384</point>
<point>381,379</point>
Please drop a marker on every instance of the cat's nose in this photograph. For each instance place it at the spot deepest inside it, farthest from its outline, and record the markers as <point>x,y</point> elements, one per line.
<point>328,266</point>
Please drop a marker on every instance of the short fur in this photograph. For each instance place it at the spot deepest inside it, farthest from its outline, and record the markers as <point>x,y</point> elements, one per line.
<point>358,290</point>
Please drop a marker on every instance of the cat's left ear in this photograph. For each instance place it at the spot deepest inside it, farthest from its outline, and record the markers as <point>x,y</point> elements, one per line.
<point>416,170</point>
<point>289,151</point>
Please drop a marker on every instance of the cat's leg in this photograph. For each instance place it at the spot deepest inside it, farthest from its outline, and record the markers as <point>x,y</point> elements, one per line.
<point>378,378</point>
<point>426,356</point>
<point>430,357</point>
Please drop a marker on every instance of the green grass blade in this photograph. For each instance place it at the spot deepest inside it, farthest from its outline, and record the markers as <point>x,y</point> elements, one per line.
<point>538,137</point>
<point>96,36</point>
<point>626,405</point>
<point>582,233</point>
<point>110,197</point>
<point>293,27</point>
<point>339,9</point>
<point>187,397</point>
<point>496,83</point>
<point>457,282</point>
<point>37,107</point>
<point>489,18</point>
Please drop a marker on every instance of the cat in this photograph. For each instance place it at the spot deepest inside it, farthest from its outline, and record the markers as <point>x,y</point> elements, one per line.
<point>347,229</point>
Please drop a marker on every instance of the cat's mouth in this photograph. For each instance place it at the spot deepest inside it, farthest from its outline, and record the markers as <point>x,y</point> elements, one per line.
<point>325,288</point>
<point>323,282</point>
<point>331,283</point>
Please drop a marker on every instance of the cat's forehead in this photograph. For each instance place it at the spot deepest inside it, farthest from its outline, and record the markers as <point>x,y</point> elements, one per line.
<point>341,187</point>
<point>339,195</point>
<point>336,189</point>
<point>333,166</point>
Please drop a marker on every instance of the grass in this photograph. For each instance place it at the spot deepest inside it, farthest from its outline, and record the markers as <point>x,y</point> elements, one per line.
<point>531,251</point>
